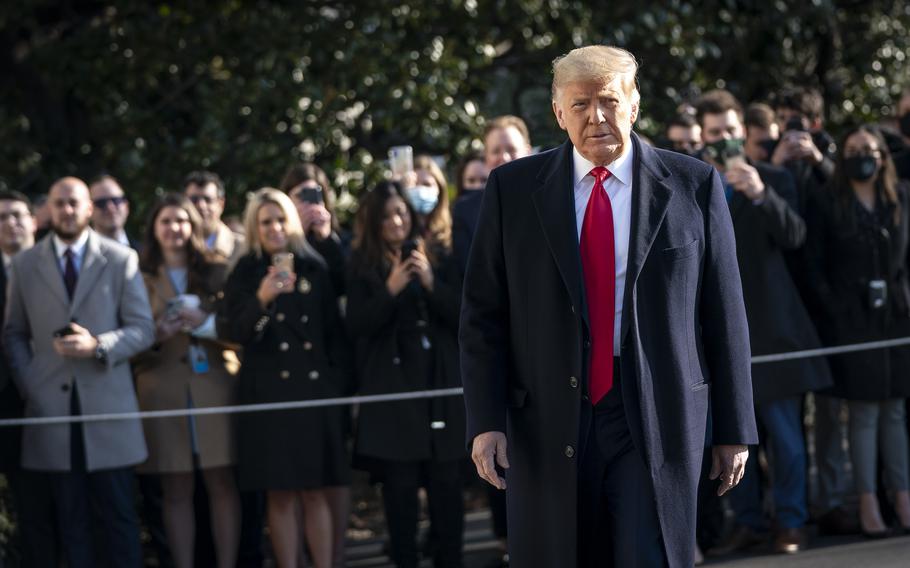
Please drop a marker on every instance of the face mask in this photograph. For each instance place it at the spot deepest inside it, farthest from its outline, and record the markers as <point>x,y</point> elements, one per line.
<point>474,188</point>
<point>423,198</point>
<point>905,124</point>
<point>768,145</point>
<point>720,150</point>
<point>860,168</point>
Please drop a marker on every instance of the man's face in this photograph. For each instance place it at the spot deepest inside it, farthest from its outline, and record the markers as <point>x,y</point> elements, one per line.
<point>598,118</point>
<point>685,139</point>
<point>71,208</point>
<point>17,226</point>
<point>723,126</point>
<point>111,207</point>
<point>759,141</point>
<point>208,203</point>
<point>504,145</point>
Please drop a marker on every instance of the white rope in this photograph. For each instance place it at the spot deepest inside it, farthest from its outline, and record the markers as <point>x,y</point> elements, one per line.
<point>369,399</point>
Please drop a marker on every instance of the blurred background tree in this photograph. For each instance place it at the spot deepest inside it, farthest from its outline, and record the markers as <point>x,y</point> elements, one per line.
<point>151,90</point>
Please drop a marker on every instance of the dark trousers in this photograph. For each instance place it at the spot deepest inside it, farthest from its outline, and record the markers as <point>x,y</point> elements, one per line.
<point>444,483</point>
<point>782,421</point>
<point>33,497</point>
<point>97,501</point>
<point>617,513</point>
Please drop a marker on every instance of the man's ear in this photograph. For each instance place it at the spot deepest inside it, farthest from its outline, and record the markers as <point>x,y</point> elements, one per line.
<point>558,113</point>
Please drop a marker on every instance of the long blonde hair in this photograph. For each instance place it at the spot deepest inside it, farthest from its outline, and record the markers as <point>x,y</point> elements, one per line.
<point>297,242</point>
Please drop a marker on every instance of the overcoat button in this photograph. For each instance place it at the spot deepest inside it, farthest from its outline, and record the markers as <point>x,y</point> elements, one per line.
<point>279,316</point>
<point>307,345</point>
<point>285,375</point>
<point>587,344</point>
<point>304,318</point>
<point>570,452</point>
<point>572,308</point>
<point>314,375</point>
<point>65,387</point>
<point>573,382</point>
<point>396,361</point>
<point>283,346</point>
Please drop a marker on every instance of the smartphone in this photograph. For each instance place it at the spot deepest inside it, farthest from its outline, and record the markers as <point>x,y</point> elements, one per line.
<point>794,124</point>
<point>64,331</point>
<point>311,195</point>
<point>407,248</point>
<point>401,160</point>
<point>284,261</point>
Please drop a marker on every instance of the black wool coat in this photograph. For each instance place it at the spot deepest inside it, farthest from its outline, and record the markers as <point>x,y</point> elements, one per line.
<point>524,330</point>
<point>296,349</point>
<point>844,255</point>
<point>778,321</point>
<point>404,430</point>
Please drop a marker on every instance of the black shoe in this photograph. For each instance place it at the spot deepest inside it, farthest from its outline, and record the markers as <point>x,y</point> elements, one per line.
<point>838,522</point>
<point>742,538</point>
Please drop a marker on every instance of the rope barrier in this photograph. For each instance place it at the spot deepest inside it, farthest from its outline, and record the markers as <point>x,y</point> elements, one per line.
<point>390,397</point>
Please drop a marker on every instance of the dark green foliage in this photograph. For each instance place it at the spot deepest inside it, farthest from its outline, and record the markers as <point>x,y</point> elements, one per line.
<point>149,91</point>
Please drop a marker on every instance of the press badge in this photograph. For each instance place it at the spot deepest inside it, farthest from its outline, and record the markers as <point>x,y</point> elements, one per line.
<point>199,359</point>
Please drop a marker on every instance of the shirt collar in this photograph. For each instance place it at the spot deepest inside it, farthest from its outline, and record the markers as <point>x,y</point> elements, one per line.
<point>78,247</point>
<point>620,168</point>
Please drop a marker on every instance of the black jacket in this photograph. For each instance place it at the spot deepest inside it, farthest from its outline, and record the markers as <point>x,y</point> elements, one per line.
<point>465,212</point>
<point>778,321</point>
<point>846,251</point>
<point>11,403</point>
<point>388,338</point>
<point>295,350</point>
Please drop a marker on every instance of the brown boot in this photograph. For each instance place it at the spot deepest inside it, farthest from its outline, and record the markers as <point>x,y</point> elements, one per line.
<point>790,541</point>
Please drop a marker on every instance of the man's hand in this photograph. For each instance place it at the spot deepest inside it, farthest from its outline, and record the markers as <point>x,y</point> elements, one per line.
<point>488,450</point>
<point>80,345</point>
<point>728,464</point>
<point>745,179</point>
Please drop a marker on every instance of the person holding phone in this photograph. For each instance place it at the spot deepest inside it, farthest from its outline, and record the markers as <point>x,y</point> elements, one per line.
<point>308,187</point>
<point>857,255</point>
<point>279,305</point>
<point>188,367</point>
<point>403,303</point>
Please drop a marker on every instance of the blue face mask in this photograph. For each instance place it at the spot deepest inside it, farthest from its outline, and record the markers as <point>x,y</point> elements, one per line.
<point>423,198</point>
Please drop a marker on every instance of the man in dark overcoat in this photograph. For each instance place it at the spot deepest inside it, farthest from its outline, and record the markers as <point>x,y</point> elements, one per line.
<point>602,317</point>
<point>763,202</point>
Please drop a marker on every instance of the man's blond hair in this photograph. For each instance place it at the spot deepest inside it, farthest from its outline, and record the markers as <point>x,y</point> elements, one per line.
<point>595,63</point>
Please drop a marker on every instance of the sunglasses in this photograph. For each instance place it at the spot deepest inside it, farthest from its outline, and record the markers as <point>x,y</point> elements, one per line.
<point>103,202</point>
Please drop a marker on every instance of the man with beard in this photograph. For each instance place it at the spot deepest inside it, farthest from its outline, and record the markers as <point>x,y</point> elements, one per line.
<point>77,311</point>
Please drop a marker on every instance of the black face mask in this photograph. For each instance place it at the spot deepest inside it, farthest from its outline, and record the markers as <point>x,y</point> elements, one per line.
<point>472,188</point>
<point>905,124</point>
<point>860,168</point>
<point>768,145</point>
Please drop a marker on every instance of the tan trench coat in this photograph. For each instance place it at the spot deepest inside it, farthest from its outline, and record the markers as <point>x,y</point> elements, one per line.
<point>165,380</point>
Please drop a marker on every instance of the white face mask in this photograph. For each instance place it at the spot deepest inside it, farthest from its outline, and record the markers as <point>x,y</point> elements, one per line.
<point>423,198</point>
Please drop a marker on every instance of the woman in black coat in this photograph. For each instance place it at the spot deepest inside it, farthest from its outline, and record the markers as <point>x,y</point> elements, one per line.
<point>857,249</point>
<point>283,311</point>
<point>403,308</point>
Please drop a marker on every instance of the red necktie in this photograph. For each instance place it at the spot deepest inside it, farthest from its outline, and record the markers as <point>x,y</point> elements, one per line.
<point>598,263</point>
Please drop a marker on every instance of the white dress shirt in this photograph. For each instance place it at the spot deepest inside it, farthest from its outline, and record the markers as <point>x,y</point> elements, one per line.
<point>619,190</point>
<point>78,248</point>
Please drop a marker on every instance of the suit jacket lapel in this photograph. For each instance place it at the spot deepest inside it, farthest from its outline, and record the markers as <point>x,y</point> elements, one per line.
<point>93,263</point>
<point>650,199</point>
<point>49,268</point>
<point>555,204</point>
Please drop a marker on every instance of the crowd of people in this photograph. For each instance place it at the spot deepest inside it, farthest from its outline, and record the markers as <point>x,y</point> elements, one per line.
<point>293,306</point>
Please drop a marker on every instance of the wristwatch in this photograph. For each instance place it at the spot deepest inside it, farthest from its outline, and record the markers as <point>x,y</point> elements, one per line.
<point>100,352</point>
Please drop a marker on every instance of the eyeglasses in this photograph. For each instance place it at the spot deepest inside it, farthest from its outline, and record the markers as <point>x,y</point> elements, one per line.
<point>197,199</point>
<point>103,202</point>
